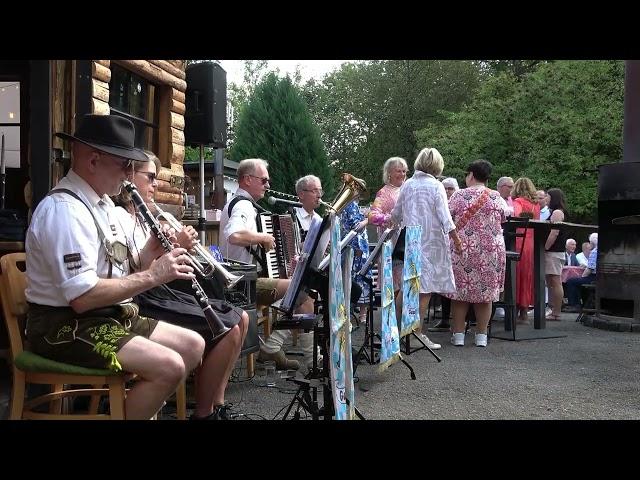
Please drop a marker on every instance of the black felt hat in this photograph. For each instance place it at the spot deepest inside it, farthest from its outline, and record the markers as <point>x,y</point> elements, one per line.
<point>108,133</point>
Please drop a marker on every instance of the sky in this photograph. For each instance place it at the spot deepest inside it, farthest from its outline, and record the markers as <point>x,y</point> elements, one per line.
<point>308,68</point>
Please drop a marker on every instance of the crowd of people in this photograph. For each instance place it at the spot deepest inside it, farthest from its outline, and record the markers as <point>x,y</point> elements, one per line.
<point>105,291</point>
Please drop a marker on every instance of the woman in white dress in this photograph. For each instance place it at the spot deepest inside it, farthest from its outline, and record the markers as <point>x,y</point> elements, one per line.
<point>422,201</point>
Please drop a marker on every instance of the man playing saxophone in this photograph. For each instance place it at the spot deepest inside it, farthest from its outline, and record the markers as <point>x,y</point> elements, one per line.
<point>180,308</point>
<point>239,239</point>
<point>309,191</point>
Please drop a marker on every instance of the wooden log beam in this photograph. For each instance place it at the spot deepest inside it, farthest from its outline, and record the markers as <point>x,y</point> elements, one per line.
<point>178,95</point>
<point>177,121</point>
<point>178,64</point>
<point>100,72</point>
<point>164,186</point>
<point>177,106</point>
<point>153,72</point>
<point>100,107</point>
<point>166,173</point>
<point>168,198</point>
<point>100,90</point>
<point>176,154</point>
<point>177,136</point>
<point>104,63</point>
<point>167,67</point>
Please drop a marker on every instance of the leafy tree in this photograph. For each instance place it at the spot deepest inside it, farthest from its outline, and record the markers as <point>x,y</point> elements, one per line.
<point>275,125</point>
<point>370,111</point>
<point>554,126</point>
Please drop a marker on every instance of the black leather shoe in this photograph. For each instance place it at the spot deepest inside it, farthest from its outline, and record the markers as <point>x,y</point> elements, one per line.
<point>220,412</point>
<point>441,326</point>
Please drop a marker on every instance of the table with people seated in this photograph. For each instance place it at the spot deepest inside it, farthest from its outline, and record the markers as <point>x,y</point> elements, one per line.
<point>541,232</point>
<point>569,272</point>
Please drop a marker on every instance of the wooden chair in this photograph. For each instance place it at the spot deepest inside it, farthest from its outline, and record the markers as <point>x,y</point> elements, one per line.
<point>29,368</point>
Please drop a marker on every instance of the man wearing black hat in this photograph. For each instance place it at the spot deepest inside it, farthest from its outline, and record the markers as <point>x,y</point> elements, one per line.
<point>79,290</point>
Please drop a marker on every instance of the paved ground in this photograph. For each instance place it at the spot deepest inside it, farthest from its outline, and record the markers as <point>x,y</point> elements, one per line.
<point>589,374</point>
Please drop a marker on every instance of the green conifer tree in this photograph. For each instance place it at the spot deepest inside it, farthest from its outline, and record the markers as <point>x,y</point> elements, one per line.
<point>276,126</point>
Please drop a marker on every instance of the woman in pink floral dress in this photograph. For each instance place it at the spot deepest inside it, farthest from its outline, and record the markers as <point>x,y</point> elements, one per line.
<point>394,173</point>
<point>478,213</point>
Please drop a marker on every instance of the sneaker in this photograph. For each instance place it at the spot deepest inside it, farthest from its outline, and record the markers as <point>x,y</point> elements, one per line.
<point>441,326</point>
<point>429,343</point>
<point>282,362</point>
<point>457,339</point>
<point>499,312</point>
<point>481,339</point>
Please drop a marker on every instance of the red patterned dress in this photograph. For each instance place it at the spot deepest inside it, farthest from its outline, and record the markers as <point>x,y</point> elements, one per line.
<point>524,268</point>
<point>478,213</point>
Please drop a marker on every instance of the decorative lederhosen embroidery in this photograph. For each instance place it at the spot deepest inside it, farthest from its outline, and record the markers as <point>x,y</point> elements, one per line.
<point>112,324</point>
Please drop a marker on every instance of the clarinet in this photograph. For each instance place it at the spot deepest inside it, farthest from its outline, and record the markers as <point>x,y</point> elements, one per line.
<point>216,326</point>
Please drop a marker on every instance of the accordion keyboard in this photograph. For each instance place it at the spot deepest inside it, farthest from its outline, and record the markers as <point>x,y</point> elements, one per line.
<point>285,237</point>
<point>265,224</point>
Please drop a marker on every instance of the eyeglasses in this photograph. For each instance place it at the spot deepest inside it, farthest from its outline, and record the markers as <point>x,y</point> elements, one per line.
<point>264,180</point>
<point>317,191</point>
<point>150,175</point>
<point>124,162</point>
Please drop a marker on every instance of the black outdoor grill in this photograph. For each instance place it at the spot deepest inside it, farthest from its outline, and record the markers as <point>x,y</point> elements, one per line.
<point>618,270</point>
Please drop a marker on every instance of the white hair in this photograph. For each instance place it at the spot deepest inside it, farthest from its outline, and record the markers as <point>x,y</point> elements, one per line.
<point>392,162</point>
<point>304,182</point>
<point>566,244</point>
<point>451,182</point>
<point>501,180</point>
<point>593,239</point>
<point>249,166</point>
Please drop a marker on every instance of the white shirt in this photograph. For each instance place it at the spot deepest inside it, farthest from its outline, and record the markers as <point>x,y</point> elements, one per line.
<point>243,217</point>
<point>508,206</point>
<point>422,201</point>
<point>305,217</point>
<point>582,260</point>
<point>545,213</point>
<point>65,257</point>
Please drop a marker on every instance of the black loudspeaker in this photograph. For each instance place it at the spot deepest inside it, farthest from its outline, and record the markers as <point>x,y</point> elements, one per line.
<point>205,118</point>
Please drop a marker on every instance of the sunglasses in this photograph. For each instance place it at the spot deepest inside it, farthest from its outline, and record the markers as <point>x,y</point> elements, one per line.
<point>264,180</point>
<point>124,162</point>
<point>150,175</point>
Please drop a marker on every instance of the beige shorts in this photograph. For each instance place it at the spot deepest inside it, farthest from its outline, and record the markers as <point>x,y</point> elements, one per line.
<point>553,263</point>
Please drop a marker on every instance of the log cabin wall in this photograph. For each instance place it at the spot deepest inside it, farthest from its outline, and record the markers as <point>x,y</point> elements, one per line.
<point>168,78</point>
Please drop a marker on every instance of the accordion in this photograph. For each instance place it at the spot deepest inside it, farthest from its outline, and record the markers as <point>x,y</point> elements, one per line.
<point>285,231</point>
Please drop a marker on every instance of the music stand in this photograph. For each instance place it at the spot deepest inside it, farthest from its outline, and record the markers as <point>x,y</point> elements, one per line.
<point>306,274</point>
<point>369,333</point>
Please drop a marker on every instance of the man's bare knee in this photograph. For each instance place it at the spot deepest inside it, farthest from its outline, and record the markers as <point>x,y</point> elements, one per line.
<point>171,369</point>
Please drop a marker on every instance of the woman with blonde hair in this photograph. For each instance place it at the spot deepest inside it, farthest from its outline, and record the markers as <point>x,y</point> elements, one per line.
<point>179,308</point>
<point>394,173</point>
<point>423,201</point>
<point>525,204</point>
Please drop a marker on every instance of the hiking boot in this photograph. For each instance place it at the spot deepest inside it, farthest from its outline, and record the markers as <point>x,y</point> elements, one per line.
<point>282,362</point>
